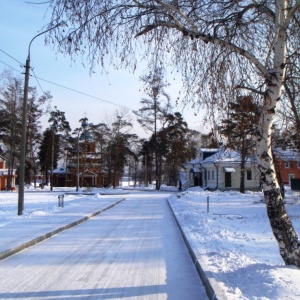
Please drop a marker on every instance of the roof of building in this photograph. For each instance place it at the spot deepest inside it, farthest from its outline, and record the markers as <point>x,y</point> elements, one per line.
<point>197,160</point>
<point>60,170</point>
<point>225,155</point>
<point>4,172</point>
<point>86,136</point>
<point>287,154</point>
<point>209,149</point>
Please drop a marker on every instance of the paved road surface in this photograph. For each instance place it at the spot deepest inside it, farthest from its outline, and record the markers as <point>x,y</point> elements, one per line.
<point>132,251</point>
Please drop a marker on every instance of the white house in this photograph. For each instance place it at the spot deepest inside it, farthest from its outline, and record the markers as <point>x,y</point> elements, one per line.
<point>193,167</point>
<point>222,169</point>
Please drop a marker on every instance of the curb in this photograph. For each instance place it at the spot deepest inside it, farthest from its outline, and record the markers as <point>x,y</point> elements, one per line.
<point>213,290</point>
<point>41,238</point>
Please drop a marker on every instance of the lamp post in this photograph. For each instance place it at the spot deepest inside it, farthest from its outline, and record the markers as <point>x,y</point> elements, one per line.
<point>78,131</point>
<point>77,166</point>
<point>155,91</point>
<point>24,123</point>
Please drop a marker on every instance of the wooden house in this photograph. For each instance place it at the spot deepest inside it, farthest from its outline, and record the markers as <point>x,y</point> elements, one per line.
<point>84,168</point>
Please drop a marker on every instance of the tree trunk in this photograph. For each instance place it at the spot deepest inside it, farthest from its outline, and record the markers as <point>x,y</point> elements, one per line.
<point>282,227</point>
<point>242,183</point>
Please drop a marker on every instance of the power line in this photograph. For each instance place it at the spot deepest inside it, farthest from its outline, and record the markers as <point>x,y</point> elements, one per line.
<point>49,103</point>
<point>85,94</point>
<point>70,89</point>
<point>37,81</point>
<point>10,66</point>
<point>11,57</point>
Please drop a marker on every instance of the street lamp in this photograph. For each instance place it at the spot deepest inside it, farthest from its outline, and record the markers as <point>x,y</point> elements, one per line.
<point>24,121</point>
<point>78,131</point>
<point>155,91</point>
<point>77,164</point>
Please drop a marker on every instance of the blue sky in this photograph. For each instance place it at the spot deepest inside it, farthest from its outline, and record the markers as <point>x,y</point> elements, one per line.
<point>20,22</point>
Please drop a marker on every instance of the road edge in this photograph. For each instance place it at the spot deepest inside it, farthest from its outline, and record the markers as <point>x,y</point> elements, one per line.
<point>213,290</point>
<point>43,237</point>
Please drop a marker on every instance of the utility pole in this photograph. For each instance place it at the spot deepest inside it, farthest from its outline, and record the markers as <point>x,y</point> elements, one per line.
<point>24,124</point>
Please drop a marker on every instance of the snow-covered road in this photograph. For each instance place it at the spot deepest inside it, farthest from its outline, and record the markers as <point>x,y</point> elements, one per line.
<point>132,251</point>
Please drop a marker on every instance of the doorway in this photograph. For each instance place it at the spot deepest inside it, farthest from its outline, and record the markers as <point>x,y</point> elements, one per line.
<point>227,179</point>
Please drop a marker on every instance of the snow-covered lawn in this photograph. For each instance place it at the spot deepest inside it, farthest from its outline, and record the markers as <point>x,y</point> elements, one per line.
<point>235,243</point>
<point>229,232</point>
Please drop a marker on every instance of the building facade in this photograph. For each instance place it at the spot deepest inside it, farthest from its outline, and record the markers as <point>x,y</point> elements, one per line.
<point>221,169</point>
<point>84,168</point>
<point>4,174</point>
<point>287,163</point>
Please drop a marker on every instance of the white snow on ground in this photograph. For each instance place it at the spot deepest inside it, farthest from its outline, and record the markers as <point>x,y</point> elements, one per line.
<point>231,236</point>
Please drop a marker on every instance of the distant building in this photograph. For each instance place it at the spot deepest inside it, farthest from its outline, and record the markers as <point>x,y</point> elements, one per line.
<point>220,169</point>
<point>223,170</point>
<point>288,164</point>
<point>4,176</point>
<point>86,164</point>
<point>194,174</point>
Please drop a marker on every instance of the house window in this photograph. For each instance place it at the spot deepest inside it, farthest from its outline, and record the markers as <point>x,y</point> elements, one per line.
<point>212,175</point>
<point>287,164</point>
<point>298,164</point>
<point>208,175</point>
<point>249,175</point>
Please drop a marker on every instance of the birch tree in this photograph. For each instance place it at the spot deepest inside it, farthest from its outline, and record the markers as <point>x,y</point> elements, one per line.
<point>206,41</point>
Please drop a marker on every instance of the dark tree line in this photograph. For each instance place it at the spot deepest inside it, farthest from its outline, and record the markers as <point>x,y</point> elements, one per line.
<point>11,98</point>
<point>121,152</point>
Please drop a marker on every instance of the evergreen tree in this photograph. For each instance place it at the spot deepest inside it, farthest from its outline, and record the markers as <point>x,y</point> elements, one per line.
<point>11,103</point>
<point>176,131</point>
<point>34,112</point>
<point>153,112</point>
<point>120,147</point>
<point>62,126</point>
<point>45,153</point>
<point>10,126</point>
<point>147,161</point>
<point>240,130</point>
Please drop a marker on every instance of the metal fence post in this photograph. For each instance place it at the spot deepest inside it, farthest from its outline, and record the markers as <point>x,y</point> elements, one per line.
<point>207,204</point>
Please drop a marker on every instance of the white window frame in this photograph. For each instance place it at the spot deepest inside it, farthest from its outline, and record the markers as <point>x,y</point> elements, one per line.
<point>213,175</point>
<point>286,164</point>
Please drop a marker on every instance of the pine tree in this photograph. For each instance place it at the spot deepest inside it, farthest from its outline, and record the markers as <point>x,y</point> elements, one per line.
<point>59,125</point>
<point>240,130</point>
<point>152,114</point>
<point>10,125</point>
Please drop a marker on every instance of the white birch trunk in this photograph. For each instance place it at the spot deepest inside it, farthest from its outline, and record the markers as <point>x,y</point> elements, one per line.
<point>283,230</point>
